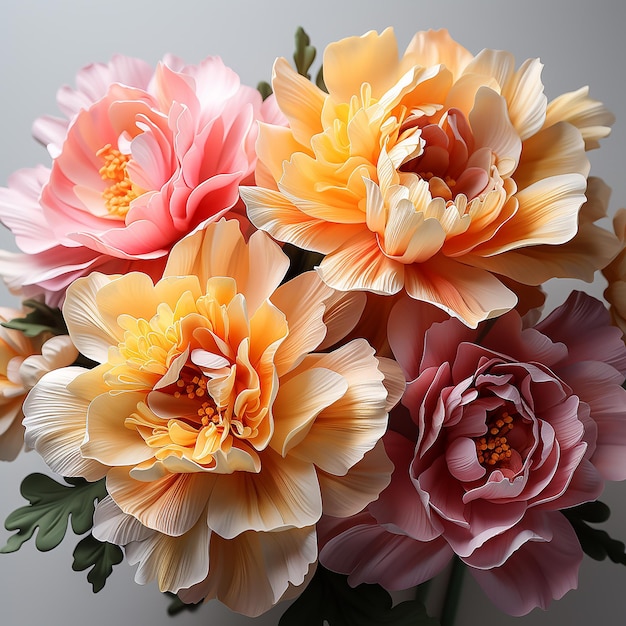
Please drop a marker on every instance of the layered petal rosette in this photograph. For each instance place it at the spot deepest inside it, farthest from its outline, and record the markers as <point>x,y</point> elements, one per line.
<point>23,361</point>
<point>222,422</point>
<point>439,173</point>
<point>505,427</point>
<point>142,158</point>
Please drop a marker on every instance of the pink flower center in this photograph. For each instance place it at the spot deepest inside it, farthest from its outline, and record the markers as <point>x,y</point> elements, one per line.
<point>449,161</point>
<point>493,449</point>
<point>121,191</point>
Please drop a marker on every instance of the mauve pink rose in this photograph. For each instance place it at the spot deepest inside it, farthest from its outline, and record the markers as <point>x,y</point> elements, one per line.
<point>143,158</point>
<point>505,427</point>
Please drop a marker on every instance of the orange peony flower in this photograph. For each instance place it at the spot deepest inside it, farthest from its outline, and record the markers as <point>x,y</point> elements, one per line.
<point>23,361</point>
<point>222,428</point>
<point>436,172</point>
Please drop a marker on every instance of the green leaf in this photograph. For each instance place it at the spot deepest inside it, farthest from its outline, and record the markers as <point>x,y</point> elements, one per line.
<point>101,556</point>
<point>304,54</point>
<point>177,606</point>
<point>265,89</point>
<point>52,505</point>
<point>596,543</point>
<point>329,597</point>
<point>41,319</point>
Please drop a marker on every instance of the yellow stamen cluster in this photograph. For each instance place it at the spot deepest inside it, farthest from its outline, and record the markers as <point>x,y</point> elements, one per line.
<point>122,191</point>
<point>494,448</point>
<point>196,387</point>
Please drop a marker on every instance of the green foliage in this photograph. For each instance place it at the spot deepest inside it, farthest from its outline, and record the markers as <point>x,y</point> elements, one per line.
<point>329,597</point>
<point>177,606</point>
<point>265,89</point>
<point>42,319</point>
<point>304,54</point>
<point>52,505</point>
<point>595,543</point>
<point>101,556</point>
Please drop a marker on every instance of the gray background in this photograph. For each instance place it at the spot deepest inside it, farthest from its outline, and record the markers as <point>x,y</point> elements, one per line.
<point>42,45</point>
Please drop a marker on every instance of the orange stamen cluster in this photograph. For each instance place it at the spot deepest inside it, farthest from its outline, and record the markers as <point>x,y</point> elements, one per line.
<point>196,387</point>
<point>122,191</point>
<point>493,448</point>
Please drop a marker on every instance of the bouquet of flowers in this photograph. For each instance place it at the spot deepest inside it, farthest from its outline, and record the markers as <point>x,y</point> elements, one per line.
<point>287,342</point>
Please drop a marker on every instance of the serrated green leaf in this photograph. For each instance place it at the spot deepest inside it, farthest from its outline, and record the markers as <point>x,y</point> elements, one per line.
<point>101,556</point>
<point>52,505</point>
<point>304,54</point>
<point>328,597</point>
<point>41,319</point>
<point>177,606</point>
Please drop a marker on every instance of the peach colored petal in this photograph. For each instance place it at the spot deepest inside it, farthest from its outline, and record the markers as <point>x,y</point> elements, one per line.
<point>107,439</point>
<point>55,425</point>
<point>251,572</point>
<point>302,300</point>
<point>351,426</point>
<point>433,47</point>
<point>467,292</point>
<point>349,63</point>
<point>274,213</point>
<point>589,116</point>
<point>284,494</point>
<point>346,495</point>
<point>299,100</point>
<point>299,401</point>
<point>359,264</point>
<point>171,505</point>
<point>175,562</point>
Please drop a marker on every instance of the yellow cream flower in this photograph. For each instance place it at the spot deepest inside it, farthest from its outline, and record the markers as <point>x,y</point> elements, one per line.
<point>436,172</point>
<point>222,428</point>
<point>615,274</point>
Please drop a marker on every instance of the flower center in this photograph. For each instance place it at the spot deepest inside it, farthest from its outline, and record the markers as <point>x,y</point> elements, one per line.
<point>449,161</point>
<point>493,449</point>
<point>121,191</point>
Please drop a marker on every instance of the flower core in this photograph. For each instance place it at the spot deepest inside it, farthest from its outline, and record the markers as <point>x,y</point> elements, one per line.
<point>122,191</point>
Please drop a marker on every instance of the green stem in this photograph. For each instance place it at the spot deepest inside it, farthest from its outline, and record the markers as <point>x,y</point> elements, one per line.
<point>453,593</point>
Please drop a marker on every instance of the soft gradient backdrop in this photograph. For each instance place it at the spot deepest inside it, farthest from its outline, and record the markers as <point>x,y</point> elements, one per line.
<point>42,45</point>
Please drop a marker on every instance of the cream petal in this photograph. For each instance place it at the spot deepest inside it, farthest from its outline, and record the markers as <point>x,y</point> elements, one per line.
<point>170,505</point>
<point>175,562</point>
<point>351,426</point>
<point>434,47</point>
<point>303,301</point>
<point>91,334</point>
<point>111,524</point>
<point>284,494</point>
<point>346,495</point>
<point>590,117</point>
<point>299,401</point>
<point>251,572</point>
<point>55,425</point>
<point>107,438</point>
<point>493,129</point>
<point>525,99</point>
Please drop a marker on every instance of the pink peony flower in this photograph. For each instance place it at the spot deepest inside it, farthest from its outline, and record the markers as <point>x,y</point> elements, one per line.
<point>505,427</point>
<point>143,157</point>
